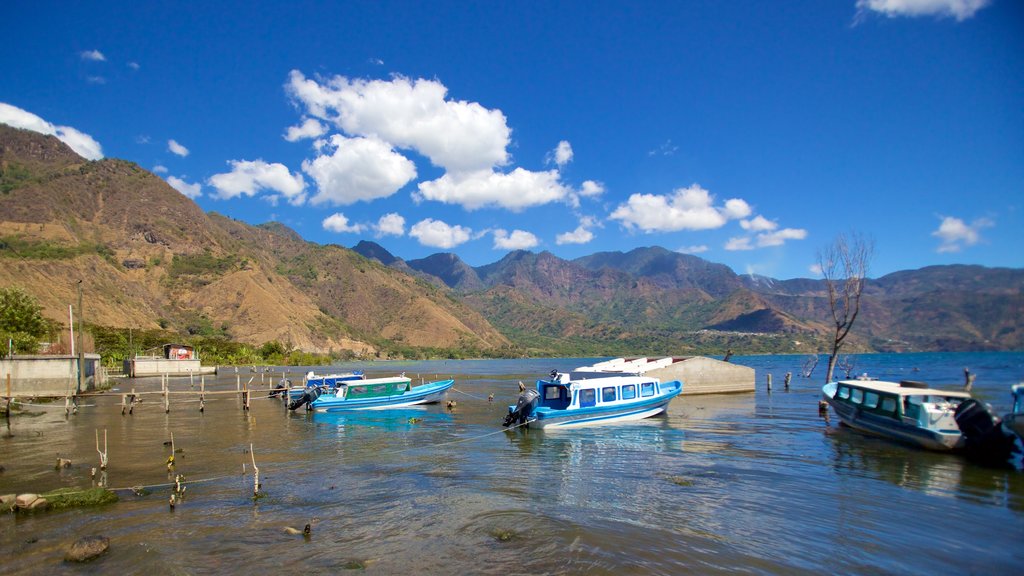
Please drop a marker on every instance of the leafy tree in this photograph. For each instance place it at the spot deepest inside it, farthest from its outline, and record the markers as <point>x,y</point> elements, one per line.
<point>21,319</point>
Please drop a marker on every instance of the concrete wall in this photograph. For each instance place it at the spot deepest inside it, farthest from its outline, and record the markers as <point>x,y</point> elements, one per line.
<point>49,375</point>
<point>702,375</point>
<point>140,366</point>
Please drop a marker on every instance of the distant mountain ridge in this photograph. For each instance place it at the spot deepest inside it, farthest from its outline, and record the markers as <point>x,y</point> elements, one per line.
<point>148,257</point>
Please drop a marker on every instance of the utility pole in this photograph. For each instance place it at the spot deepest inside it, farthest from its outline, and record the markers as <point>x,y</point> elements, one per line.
<point>81,350</point>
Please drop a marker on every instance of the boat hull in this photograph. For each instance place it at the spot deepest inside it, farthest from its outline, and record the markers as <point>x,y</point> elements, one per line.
<point>552,419</point>
<point>426,394</point>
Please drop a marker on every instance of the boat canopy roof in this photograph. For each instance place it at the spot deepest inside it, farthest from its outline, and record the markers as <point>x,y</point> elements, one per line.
<point>903,389</point>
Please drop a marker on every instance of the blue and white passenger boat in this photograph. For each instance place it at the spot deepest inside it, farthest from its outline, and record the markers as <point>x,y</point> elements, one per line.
<point>379,393</point>
<point>588,397</point>
<point>328,381</point>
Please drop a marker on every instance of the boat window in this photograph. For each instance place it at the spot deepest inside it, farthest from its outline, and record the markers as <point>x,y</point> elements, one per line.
<point>889,405</point>
<point>844,392</point>
<point>379,388</point>
<point>588,397</point>
<point>552,392</point>
<point>629,391</point>
<point>357,390</point>
<point>870,399</point>
<point>608,394</point>
<point>647,388</point>
<point>857,396</point>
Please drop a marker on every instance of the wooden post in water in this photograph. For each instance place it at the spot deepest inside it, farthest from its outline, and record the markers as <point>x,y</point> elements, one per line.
<point>167,396</point>
<point>238,382</point>
<point>769,382</point>
<point>202,393</point>
<point>255,474</point>
<point>103,453</point>
<point>789,376</point>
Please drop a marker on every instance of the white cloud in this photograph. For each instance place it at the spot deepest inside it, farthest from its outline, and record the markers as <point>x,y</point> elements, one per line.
<point>94,55</point>
<point>956,234</point>
<point>517,240</point>
<point>695,249</point>
<point>959,9</point>
<point>515,191</point>
<point>454,134</point>
<point>814,269</point>
<point>758,224</point>
<point>134,65</point>
<point>191,190</point>
<point>310,128</point>
<point>175,148</point>
<point>736,208</point>
<point>391,224</point>
<point>685,209</point>
<point>83,144</point>
<point>338,222</point>
<point>95,79</point>
<point>438,234</point>
<point>160,169</point>
<point>358,169</point>
<point>666,149</point>
<point>578,236</point>
<point>739,243</point>
<point>250,177</point>
<point>562,154</point>
<point>590,188</point>
<point>778,238</point>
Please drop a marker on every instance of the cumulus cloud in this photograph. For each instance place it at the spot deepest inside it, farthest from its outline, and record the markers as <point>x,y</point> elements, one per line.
<point>515,191</point>
<point>83,144</point>
<point>517,240</point>
<point>454,134</point>
<point>581,235</point>
<point>739,243</point>
<point>175,148</point>
<point>685,209</point>
<point>391,224</point>
<point>191,190</point>
<point>779,237</point>
<point>590,188</point>
<point>358,169</point>
<point>959,9</point>
<point>310,128</point>
<point>134,65</point>
<point>160,169</point>
<point>562,154</point>
<point>955,234</point>
<point>758,224</point>
<point>438,234</point>
<point>338,222</point>
<point>251,177</point>
<point>94,55</point>
<point>695,249</point>
<point>815,269</point>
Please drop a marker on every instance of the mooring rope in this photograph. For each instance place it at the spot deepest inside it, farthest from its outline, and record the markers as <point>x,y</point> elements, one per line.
<point>50,405</point>
<point>467,394</point>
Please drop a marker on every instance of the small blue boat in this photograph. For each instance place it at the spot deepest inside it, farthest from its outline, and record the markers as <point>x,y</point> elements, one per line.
<point>379,393</point>
<point>590,398</point>
<point>328,381</point>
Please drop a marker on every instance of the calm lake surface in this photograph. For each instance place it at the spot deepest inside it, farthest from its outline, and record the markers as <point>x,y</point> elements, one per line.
<point>754,483</point>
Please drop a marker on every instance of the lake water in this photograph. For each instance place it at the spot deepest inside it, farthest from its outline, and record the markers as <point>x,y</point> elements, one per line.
<point>755,483</point>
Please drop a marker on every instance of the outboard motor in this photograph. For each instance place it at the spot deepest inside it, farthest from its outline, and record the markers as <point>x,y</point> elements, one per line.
<point>311,394</point>
<point>986,438</point>
<point>524,407</point>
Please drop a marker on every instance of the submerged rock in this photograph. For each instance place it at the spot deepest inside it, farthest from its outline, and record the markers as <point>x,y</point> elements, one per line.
<point>87,548</point>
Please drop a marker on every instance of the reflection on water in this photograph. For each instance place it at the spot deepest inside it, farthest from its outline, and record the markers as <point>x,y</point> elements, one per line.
<point>751,482</point>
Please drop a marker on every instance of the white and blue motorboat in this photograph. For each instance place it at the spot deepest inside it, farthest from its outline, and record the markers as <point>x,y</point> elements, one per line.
<point>591,397</point>
<point>378,393</point>
<point>915,413</point>
<point>323,381</point>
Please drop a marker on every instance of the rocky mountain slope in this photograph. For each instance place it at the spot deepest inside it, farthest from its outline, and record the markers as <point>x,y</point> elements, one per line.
<point>147,257</point>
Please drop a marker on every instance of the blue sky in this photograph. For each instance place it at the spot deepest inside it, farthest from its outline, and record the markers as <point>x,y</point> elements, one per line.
<point>748,133</point>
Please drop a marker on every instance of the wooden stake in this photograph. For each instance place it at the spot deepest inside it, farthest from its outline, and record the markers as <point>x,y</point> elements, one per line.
<point>103,453</point>
<point>769,382</point>
<point>255,474</point>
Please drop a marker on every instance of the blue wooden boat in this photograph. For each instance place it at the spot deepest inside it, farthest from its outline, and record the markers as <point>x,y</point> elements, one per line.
<point>328,381</point>
<point>379,393</point>
<point>590,398</point>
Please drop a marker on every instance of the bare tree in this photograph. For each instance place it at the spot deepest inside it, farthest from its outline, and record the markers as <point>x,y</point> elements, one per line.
<point>844,266</point>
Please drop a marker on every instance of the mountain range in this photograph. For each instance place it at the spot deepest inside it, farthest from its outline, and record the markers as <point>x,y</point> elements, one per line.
<point>149,257</point>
